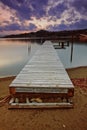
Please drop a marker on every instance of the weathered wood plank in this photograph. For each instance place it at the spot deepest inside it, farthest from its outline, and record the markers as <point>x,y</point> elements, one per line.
<point>41,105</point>
<point>23,85</point>
<point>42,90</point>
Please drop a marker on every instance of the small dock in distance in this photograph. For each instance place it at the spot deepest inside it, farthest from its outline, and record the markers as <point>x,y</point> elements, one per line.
<point>61,44</point>
<point>42,83</point>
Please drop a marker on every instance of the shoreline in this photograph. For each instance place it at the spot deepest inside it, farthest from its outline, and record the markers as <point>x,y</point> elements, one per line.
<point>37,118</point>
<point>7,78</point>
<point>77,67</point>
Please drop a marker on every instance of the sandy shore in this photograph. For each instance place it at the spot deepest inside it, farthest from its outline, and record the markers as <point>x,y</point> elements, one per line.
<point>46,119</point>
<point>83,38</point>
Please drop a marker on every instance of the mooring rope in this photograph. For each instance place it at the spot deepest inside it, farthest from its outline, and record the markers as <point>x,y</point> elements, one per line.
<point>4,100</point>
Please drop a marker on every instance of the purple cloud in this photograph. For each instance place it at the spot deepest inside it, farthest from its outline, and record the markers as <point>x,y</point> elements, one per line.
<point>32,15</point>
<point>26,9</point>
<point>11,27</point>
<point>31,27</point>
<point>58,10</point>
<point>82,24</point>
<point>80,5</point>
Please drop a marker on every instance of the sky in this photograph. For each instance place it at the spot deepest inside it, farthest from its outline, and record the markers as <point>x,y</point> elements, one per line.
<point>22,16</point>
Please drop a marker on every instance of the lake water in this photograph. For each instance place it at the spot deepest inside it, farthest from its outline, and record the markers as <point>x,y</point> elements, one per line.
<point>14,54</point>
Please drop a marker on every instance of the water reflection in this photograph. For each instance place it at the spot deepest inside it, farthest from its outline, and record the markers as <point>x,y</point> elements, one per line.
<point>29,49</point>
<point>71,50</point>
<point>15,53</point>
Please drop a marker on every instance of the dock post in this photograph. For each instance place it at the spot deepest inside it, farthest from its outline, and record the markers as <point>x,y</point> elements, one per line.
<point>67,43</point>
<point>59,43</point>
<point>62,44</point>
<point>71,49</point>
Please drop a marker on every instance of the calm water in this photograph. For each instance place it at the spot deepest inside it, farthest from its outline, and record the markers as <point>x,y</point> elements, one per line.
<point>14,54</point>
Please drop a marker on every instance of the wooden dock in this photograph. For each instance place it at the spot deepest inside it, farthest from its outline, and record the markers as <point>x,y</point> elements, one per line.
<point>44,77</point>
<point>60,44</point>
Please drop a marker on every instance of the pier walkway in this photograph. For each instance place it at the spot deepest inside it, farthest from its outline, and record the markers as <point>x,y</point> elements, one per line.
<point>44,76</point>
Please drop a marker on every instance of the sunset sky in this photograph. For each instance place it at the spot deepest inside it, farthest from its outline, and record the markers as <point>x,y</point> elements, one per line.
<point>20,16</point>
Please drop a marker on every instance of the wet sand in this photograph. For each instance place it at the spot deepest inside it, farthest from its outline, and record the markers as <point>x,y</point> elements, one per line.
<point>46,119</point>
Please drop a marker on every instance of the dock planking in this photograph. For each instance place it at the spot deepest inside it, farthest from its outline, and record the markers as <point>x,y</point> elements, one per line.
<point>44,73</point>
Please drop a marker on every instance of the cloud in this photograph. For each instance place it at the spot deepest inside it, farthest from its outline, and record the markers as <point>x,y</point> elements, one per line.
<point>7,16</point>
<point>57,11</point>
<point>58,27</point>
<point>32,15</point>
<point>52,4</point>
<point>70,16</point>
<point>43,22</point>
<point>21,8</point>
<point>38,8</point>
<point>82,24</point>
<point>27,8</point>
<point>80,6</point>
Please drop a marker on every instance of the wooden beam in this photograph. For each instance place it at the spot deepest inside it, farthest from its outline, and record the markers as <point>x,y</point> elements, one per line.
<point>41,105</point>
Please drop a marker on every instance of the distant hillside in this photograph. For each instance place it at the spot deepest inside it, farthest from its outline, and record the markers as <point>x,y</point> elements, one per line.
<point>46,34</point>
